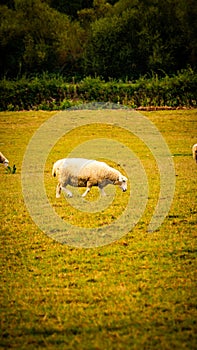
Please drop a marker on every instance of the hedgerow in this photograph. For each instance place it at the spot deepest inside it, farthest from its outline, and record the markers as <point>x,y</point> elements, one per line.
<point>55,93</point>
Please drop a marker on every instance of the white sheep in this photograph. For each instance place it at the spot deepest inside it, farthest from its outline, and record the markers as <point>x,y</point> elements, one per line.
<point>80,172</point>
<point>3,160</point>
<point>194,152</point>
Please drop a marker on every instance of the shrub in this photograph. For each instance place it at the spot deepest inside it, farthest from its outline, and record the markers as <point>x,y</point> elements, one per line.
<point>54,93</point>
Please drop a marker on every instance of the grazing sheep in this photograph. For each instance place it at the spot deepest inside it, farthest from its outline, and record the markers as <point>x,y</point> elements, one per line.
<point>194,152</point>
<point>79,172</point>
<point>3,160</point>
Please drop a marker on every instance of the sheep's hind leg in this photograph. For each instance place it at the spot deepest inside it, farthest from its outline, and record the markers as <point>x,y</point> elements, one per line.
<point>102,192</point>
<point>86,191</point>
<point>58,191</point>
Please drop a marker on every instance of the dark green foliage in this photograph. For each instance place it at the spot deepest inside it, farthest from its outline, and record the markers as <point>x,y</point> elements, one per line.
<point>54,93</point>
<point>11,170</point>
<point>113,39</point>
<point>139,37</point>
<point>35,38</point>
<point>70,7</point>
<point>113,50</point>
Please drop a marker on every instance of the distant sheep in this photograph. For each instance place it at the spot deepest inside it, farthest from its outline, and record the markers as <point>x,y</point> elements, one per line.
<point>3,160</point>
<point>194,152</point>
<point>79,172</point>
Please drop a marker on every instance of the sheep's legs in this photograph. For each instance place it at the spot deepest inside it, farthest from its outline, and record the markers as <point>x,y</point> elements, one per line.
<point>64,189</point>
<point>60,188</point>
<point>86,191</point>
<point>58,191</point>
<point>102,192</point>
<point>89,188</point>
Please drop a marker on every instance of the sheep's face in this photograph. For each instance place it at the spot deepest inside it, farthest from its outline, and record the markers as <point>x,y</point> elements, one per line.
<point>122,182</point>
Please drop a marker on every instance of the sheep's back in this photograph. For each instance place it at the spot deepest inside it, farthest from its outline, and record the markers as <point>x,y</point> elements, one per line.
<point>98,171</point>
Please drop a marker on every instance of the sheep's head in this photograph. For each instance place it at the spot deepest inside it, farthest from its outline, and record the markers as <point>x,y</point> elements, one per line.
<point>122,182</point>
<point>3,160</point>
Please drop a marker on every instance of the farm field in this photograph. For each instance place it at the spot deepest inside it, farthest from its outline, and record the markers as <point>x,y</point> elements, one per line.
<point>138,292</point>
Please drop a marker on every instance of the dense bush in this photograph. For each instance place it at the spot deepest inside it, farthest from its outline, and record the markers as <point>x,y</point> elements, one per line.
<point>54,93</point>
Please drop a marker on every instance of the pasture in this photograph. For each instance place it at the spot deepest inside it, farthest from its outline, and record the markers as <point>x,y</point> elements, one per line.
<point>139,292</point>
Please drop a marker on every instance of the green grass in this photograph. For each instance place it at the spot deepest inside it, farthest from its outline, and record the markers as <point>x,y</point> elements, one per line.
<point>137,293</point>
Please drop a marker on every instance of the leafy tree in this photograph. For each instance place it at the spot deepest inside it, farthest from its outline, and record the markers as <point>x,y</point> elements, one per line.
<point>188,15</point>
<point>99,9</point>
<point>70,8</point>
<point>36,38</point>
<point>142,36</point>
<point>171,36</point>
<point>113,50</point>
<point>8,3</point>
<point>11,41</point>
<point>118,39</point>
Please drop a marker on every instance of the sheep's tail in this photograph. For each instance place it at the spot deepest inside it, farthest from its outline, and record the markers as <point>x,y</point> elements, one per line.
<point>54,171</point>
<point>194,149</point>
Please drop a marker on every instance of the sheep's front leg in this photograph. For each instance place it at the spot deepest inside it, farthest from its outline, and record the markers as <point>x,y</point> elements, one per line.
<point>65,190</point>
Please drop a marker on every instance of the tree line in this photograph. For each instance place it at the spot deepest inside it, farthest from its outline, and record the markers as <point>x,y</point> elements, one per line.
<point>122,39</point>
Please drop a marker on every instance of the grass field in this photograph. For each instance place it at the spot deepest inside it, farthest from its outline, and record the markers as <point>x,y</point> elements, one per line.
<point>138,292</point>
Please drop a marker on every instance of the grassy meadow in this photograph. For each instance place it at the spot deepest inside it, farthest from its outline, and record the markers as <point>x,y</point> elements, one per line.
<point>138,292</point>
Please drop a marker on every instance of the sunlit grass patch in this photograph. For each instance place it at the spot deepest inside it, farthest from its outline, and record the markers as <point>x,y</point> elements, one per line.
<point>136,293</point>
